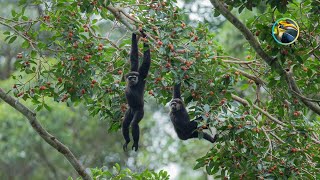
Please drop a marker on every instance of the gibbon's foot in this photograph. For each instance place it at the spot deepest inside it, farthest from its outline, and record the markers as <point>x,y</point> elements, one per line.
<point>125,146</point>
<point>215,138</point>
<point>135,146</point>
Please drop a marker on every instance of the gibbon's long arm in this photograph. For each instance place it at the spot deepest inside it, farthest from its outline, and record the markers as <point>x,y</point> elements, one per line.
<point>134,60</point>
<point>176,91</point>
<point>145,66</point>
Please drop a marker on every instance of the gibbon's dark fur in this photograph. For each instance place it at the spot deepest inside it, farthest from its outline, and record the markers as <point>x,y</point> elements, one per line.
<point>179,116</point>
<point>134,93</point>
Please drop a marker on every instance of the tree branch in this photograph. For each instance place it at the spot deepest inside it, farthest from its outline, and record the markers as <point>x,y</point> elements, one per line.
<point>60,147</point>
<point>294,87</point>
<point>246,103</point>
<point>122,18</point>
<point>20,34</point>
<point>246,33</point>
<point>273,63</point>
<point>252,77</point>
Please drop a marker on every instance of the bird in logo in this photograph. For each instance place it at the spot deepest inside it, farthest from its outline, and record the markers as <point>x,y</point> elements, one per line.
<point>286,31</point>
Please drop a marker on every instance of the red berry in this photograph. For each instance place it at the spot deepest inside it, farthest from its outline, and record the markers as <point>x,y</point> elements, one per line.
<point>296,113</point>
<point>42,88</point>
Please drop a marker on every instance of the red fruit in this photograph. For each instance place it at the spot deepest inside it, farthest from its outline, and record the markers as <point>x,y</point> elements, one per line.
<point>100,48</point>
<point>20,94</point>
<point>284,52</point>
<point>159,43</point>
<point>296,113</point>
<point>171,47</point>
<point>100,45</point>
<point>222,101</point>
<point>93,81</point>
<point>211,93</point>
<point>42,88</point>
<point>60,80</point>
<point>19,55</point>
<point>184,68</point>
<point>168,65</point>
<point>295,101</point>
<point>294,150</point>
<point>120,72</point>
<point>75,45</point>
<point>257,33</point>
<point>83,91</point>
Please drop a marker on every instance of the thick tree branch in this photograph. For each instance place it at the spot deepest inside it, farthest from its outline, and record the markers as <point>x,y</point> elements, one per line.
<point>31,116</point>
<point>257,47</point>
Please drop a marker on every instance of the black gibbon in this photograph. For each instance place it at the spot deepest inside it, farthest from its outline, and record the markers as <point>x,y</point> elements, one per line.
<point>134,93</point>
<point>179,116</point>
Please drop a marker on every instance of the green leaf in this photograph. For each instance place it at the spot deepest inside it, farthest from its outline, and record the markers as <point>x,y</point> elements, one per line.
<point>33,54</point>
<point>13,13</point>
<point>47,107</point>
<point>6,33</point>
<point>12,39</point>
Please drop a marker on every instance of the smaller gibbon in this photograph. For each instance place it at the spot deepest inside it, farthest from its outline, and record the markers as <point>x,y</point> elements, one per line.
<point>180,119</point>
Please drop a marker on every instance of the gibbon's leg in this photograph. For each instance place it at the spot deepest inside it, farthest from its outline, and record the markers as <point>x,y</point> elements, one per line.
<point>210,138</point>
<point>125,127</point>
<point>138,115</point>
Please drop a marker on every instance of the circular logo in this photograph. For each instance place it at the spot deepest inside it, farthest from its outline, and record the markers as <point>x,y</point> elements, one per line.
<point>285,31</point>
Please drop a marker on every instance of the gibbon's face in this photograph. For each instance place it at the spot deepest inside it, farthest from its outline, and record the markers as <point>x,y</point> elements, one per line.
<point>132,80</point>
<point>176,105</point>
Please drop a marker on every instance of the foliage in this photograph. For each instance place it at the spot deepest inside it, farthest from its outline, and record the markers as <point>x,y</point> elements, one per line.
<point>118,173</point>
<point>76,52</point>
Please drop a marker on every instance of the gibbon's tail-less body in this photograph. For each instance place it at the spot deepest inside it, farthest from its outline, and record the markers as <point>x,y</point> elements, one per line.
<point>180,119</point>
<point>134,93</point>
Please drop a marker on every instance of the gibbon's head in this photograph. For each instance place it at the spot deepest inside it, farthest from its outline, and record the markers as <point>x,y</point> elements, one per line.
<point>132,78</point>
<point>176,105</point>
